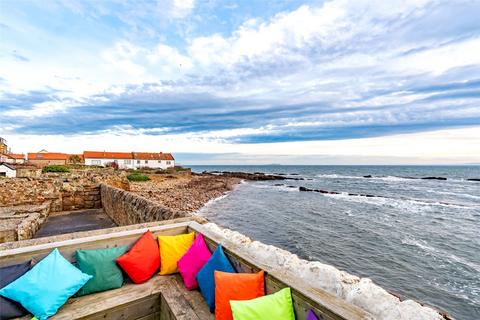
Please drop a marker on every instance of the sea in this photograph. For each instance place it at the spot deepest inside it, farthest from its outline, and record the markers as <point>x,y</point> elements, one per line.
<point>415,237</point>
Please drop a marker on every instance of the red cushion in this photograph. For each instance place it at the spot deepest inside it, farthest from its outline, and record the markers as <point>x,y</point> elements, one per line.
<point>143,259</point>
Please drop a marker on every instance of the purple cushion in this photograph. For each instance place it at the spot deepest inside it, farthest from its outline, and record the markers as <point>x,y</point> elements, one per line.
<point>311,315</point>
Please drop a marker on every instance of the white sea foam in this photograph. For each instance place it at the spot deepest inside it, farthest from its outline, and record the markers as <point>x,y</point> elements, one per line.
<point>361,292</point>
<point>423,245</point>
<point>408,204</point>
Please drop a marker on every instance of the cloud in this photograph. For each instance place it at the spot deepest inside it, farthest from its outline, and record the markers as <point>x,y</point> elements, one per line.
<point>331,70</point>
<point>19,57</point>
<point>182,8</point>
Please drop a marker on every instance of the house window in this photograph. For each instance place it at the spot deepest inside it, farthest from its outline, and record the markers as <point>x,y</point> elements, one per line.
<point>168,162</point>
<point>128,161</point>
<point>146,161</point>
<point>3,174</point>
<point>138,161</point>
<point>96,162</point>
<point>39,155</point>
<point>159,161</point>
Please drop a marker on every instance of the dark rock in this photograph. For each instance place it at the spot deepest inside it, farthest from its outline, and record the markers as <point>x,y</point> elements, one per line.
<point>257,176</point>
<point>474,179</point>
<point>433,178</point>
<point>368,176</point>
<point>304,189</point>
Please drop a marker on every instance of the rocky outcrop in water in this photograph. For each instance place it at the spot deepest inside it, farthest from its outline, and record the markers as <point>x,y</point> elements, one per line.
<point>474,179</point>
<point>257,176</point>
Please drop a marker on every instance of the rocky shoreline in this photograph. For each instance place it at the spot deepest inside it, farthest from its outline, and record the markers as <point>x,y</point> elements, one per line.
<point>184,193</point>
<point>190,192</point>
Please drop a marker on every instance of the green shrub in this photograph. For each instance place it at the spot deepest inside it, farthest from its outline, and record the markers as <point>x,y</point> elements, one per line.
<point>137,177</point>
<point>55,168</point>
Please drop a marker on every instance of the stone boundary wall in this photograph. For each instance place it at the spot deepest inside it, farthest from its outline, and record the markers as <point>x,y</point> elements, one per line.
<point>78,189</point>
<point>26,191</point>
<point>126,208</point>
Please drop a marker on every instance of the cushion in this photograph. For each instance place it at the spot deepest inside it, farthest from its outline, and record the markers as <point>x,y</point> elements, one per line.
<point>236,286</point>
<point>101,265</point>
<point>172,248</point>
<point>276,306</point>
<point>47,286</point>
<point>205,277</point>
<point>311,315</point>
<point>143,259</point>
<point>9,308</point>
<point>192,261</point>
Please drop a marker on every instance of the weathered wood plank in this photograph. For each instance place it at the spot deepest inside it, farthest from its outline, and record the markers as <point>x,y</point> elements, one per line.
<point>128,302</point>
<point>176,303</point>
<point>194,298</point>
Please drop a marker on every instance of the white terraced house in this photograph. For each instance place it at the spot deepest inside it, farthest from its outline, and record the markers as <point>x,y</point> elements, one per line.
<point>130,160</point>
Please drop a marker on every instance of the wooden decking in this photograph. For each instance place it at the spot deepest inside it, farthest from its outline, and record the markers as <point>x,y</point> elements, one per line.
<point>165,297</point>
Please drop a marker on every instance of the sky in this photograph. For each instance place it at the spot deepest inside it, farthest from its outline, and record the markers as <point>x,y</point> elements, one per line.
<point>244,82</point>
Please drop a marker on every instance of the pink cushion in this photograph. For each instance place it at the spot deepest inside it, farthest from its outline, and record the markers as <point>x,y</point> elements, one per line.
<point>192,261</point>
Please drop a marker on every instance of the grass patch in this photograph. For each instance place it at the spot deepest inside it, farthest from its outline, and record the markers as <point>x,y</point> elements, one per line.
<point>55,168</point>
<point>137,177</point>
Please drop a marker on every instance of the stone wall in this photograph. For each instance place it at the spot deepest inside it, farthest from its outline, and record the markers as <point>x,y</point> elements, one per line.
<point>126,208</point>
<point>26,191</point>
<point>74,190</point>
<point>28,172</point>
<point>21,222</point>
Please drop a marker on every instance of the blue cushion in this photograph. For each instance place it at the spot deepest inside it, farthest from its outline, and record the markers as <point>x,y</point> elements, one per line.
<point>8,308</point>
<point>47,286</point>
<point>205,277</point>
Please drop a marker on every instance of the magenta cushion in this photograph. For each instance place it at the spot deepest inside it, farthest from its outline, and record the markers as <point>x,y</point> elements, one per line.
<point>192,261</point>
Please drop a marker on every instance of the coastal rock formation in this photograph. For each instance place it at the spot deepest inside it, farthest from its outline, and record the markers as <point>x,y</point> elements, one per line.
<point>184,193</point>
<point>257,176</point>
<point>361,292</point>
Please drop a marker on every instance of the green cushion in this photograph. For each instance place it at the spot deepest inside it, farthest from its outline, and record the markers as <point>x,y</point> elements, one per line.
<point>276,306</point>
<point>100,264</point>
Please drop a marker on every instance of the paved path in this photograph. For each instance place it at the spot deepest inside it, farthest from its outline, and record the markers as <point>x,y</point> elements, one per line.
<point>74,221</point>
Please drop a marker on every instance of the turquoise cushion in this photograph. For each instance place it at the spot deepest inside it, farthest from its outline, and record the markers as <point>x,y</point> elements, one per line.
<point>276,306</point>
<point>47,286</point>
<point>101,265</point>
<point>205,277</point>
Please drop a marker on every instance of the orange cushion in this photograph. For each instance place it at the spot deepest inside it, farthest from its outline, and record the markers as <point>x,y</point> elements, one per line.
<point>236,286</point>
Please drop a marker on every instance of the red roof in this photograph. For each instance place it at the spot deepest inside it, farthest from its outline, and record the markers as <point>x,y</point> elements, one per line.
<point>48,156</point>
<point>18,156</point>
<point>152,156</point>
<point>107,155</point>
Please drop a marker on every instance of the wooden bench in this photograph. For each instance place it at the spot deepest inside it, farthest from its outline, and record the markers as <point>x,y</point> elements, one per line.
<point>165,297</point>
<point>162,297</point>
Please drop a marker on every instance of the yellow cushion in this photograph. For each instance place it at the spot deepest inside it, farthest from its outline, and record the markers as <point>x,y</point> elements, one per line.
<point>172,248</point>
